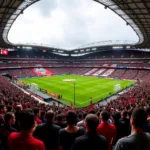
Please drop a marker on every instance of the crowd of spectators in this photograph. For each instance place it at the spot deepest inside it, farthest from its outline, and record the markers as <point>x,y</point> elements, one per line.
<point>78,64</point>
<point>28,73</point>
<point>77,71</point>
<point>17,73</point>
<point>130,74</point>
<point>118,73</point>
<point>70,62</point>
<point>22,73</point>
<point>26,124</point>
<point>142,74</point>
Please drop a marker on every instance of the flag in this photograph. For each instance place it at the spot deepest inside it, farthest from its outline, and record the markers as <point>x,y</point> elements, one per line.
<point>71,105</point>
<point>4,51</point>
<point>91,105</point>
<point>91,102</point>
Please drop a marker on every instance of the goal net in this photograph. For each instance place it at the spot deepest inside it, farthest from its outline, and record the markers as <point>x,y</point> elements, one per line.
<point>117,87</point>
<point>34,87</point>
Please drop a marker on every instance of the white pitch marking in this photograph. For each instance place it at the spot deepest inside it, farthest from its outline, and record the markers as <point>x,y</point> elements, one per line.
<point>93,98</point>
<point>71,100</point>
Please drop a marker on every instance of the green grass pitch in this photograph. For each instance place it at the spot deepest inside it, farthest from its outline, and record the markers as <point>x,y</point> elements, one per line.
<point>86,87</point>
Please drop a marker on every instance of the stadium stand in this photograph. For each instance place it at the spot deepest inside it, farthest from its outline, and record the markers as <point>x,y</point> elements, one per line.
<point>17,73</point>
<point>28,73</point>
<point>118,73</point>
<point>130,74</point>
<point>124,121</point>
<point>12,96</point>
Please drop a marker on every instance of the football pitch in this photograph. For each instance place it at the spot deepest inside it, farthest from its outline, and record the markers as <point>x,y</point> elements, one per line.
<point>85,87</point>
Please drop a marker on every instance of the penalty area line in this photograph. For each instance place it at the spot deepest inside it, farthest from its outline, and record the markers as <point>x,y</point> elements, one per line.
<point>94,98</point>
<point>71,100</point>
<point>87,100</point>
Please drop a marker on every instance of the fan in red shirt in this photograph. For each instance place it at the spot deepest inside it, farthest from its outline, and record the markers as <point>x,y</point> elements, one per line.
<point>36,113</point>
<point>24,140</point>
<point>106,129</point>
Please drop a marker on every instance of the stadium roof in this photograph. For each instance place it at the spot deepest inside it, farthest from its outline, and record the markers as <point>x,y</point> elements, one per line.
<point>136,13</point>
<point>9,11</point>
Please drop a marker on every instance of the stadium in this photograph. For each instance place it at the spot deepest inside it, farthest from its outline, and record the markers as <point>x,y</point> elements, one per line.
<point>112,76</point>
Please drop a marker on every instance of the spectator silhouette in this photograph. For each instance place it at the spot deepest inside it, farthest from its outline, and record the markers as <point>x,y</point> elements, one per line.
<point>24,140</point>
<point>91,140</point>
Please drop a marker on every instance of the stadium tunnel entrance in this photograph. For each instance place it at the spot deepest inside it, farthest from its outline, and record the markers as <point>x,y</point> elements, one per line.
<point>7,75</point>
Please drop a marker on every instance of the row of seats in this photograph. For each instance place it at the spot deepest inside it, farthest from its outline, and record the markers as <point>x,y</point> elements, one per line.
<point>118,73</point>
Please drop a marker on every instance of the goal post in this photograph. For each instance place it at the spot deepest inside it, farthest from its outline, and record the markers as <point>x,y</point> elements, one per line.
<point>34,87</point>
<point>117,87</point>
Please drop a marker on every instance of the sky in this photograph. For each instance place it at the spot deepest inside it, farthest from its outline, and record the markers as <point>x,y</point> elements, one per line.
<point>69,24</point>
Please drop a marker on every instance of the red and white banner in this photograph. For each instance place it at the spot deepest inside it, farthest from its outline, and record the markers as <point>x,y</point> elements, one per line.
<point>42,71</point>
<point>4,51</point>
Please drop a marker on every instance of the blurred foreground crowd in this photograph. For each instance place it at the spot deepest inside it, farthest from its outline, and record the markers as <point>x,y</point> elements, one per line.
<point>122,124</point>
